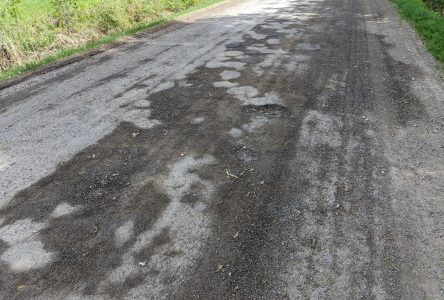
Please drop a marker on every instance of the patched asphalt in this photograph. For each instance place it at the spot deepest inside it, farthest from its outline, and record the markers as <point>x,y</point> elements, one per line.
<point>253,150</point>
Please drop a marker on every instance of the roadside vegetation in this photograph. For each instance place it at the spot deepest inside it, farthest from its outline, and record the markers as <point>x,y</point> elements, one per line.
<point>36,32</point>
<point>436,5</point>
<point>428,20</point>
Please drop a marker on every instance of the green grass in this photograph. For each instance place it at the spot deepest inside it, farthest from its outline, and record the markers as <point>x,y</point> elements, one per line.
<point>428,24</point>
<point>436,5</point>
<point>28,40</point>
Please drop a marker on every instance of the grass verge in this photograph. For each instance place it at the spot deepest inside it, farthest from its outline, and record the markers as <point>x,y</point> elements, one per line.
<point>106,39</point>
<point>428,24</point>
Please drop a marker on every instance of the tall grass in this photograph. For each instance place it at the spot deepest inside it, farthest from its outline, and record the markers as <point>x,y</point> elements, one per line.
<point>436,5</point>
<point>33,31</point>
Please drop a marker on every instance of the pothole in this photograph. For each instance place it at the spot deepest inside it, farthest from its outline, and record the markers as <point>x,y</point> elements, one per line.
<point>270,110</point>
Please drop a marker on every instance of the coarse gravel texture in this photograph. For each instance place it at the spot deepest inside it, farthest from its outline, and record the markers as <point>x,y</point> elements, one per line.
<point>258,150</point>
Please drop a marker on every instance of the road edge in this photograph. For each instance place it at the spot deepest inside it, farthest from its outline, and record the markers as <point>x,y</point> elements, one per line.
<point>71,59</point>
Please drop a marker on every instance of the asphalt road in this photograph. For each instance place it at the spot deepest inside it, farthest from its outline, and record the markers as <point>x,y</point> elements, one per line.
<point>254,150</point>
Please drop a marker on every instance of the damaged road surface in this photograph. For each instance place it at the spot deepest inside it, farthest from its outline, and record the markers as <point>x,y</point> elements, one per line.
<point>256,150</point>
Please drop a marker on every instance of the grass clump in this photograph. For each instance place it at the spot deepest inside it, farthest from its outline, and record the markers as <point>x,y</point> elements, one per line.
<point>436,5</point>
<point>428,23</point>
<point>36,32</point>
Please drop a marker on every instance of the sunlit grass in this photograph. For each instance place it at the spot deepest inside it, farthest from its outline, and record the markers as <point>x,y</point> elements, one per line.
<point>34,33</point>
<point>428,24</point>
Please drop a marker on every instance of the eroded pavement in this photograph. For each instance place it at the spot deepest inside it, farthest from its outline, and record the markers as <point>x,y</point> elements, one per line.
<point>257,150</point>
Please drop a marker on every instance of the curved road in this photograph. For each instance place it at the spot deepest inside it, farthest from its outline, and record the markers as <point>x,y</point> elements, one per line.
<point>273,149</point>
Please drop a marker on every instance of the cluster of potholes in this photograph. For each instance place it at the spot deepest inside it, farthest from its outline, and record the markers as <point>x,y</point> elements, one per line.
<point>258,51</point>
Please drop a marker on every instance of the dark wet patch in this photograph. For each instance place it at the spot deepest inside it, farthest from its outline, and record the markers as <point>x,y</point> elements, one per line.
<point>119,290</point>
<point>49,107</point>
<point>162,238</point>
<point>148,211</point>
<point>159,240</point>
<point>269,110</point>
<point>173,253</point>
<point>254,209</point>
<point>139,85</point>
<point>398,83</point>
<point>19,96</point>
<point>117,75</point>
<point>125,105</point>
<point>248,204</point>
<point>107,181</point>
<point>242,46</point>
<point>99,179</point>
<point>121,178</point>
<point>146,60</point>
<point>246,154</point>
<point>193,195</point>
<point>269,32</point>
